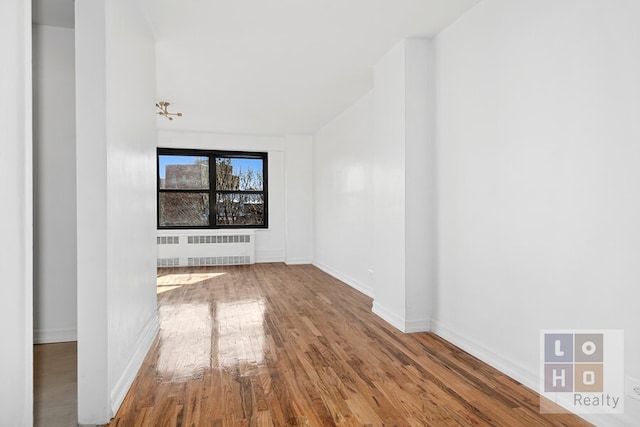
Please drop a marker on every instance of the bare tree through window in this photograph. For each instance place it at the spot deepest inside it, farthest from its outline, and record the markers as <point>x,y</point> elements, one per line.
<point>198,189</point>
<point>233,180</point>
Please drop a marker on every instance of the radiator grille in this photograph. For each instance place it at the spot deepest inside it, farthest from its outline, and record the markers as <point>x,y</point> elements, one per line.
<point>220,260</point>
<point>168,240</point>
<point>168,262</point>
<point>194,248</point>
<point>202,240</point>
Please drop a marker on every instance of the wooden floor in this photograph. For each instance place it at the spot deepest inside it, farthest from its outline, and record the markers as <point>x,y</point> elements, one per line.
<point>276,345</point>
<point>55,395</point>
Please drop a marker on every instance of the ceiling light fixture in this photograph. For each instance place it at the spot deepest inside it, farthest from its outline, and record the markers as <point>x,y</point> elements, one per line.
<point>163,107</point>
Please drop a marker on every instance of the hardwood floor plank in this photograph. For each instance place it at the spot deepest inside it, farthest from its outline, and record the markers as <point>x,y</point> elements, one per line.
<point>276,345</point>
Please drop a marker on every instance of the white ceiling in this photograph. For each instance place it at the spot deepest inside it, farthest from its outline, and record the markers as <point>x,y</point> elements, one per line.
<point>271,67</point>
<point>278,66</point>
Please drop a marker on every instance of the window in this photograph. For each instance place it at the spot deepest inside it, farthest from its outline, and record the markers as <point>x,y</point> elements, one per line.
<point>211,189</point>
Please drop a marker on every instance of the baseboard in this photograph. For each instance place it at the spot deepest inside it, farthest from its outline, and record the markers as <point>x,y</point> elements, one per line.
<point>47,336</point>
<point>518,372</point>
<point>388,316</point>
<point>403,325</point>
<point>126,379</point>
<point>297,261</point>
<point>610,420</point>
<point>508,367</point>
<point>360,287</point>
<point>418,325</point>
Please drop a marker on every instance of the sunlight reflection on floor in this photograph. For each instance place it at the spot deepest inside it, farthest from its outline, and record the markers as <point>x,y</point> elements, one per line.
<point>241,336</point>
<point>170,282</point>
<point>187,330</point>
<point>185,341</point>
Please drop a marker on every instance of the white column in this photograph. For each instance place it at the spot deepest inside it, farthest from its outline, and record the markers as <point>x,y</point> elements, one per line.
<point>91,169</point>
<point>420,247</point>
<point>403,249</point>
<point>298,199</point>
<point>116,207</point>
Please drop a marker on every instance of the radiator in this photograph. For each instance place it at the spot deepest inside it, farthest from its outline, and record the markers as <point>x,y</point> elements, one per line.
<point>205,248</point>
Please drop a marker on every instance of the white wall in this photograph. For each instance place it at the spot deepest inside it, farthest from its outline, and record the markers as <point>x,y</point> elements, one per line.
<point>117,311</point>
<point>343,196</point>
<point>538,203</point>
<point>54,184</point>
<point>270,243</point>
<point>16,255</point>
<point>299,199</point>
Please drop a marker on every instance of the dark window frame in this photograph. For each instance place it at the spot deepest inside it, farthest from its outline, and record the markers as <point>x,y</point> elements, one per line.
<point>212,191</point>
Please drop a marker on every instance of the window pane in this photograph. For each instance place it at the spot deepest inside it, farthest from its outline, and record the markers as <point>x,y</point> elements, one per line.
<point>240,209</point>
<point>184,172</point>
<point>235,174</point>
<point>184,209</point>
